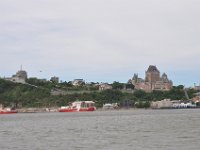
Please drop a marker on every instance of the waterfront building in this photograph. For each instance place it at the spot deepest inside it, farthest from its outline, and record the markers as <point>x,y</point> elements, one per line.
<point>166,103</point>
<point>196,99</point>
<point>152,81</point>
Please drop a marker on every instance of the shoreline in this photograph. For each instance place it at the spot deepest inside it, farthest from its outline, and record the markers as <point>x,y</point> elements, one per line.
<point>55,109</point>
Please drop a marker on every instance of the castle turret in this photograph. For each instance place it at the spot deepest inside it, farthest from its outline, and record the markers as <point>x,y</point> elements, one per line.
<point>135,78</point>
<point>164,78</point>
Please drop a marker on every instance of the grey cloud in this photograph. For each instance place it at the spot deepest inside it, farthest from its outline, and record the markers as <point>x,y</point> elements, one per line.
<point>99,35</point>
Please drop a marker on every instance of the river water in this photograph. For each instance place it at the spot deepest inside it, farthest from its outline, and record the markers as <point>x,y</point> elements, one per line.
<point>102,130</point>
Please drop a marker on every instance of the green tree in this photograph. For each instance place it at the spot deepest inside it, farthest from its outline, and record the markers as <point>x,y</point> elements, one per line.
<point>117,85</point>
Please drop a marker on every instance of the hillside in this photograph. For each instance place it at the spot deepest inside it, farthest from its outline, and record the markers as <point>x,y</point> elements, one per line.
<point>24,95</point>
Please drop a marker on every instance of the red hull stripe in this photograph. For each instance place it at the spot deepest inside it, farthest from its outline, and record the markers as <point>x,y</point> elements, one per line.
<point>7,112</point>
<point>75,110</point>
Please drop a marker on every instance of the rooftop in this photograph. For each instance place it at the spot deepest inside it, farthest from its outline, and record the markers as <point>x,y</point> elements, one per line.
<point>152,69</point>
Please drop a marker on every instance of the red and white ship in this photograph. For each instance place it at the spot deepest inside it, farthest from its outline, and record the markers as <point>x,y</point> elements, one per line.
<point>7,111</point>
<point>79,106</point>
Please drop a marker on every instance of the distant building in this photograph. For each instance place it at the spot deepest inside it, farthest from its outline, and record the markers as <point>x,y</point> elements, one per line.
<point>152,80</point>
<point>55,79</point>
<point>104,86</point>
<point>197,88</point>
<point>78,82</point>
<point>19,77</point>
<point>196,99</point>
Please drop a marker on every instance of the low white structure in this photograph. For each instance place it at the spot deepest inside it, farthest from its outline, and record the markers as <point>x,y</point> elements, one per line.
<point>184,105</point>
<point>166,103</point>
<point>16,80</point>
<point>109,106</point>
<point>78,82</point>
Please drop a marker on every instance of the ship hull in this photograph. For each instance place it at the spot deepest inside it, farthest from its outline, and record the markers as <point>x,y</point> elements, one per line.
<point>67,110</point>
<point>76,110</point>
<point>8,112</point>
<point>78,106</point>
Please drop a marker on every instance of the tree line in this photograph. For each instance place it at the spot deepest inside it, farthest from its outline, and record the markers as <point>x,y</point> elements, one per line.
<point>25,95</point>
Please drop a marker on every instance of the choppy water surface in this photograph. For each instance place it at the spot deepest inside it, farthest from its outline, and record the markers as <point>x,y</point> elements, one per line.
<point>102,130</point>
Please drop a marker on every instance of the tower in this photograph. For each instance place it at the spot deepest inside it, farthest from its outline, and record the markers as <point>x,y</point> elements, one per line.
<point>152,74</point>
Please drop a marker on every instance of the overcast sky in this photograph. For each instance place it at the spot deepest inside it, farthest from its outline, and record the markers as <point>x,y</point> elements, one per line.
<point>101,40</point>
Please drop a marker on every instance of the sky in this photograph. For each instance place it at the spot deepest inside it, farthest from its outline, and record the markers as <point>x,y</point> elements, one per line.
<point>100,40</point>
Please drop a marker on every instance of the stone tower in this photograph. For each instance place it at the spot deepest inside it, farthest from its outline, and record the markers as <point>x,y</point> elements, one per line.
<point>152,74</point>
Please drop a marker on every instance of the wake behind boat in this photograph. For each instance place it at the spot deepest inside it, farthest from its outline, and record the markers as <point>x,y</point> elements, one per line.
<point>79,106</point>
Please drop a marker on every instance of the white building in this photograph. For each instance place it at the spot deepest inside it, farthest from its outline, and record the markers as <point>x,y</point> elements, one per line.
<point>166,103</point>
<point>19,77</point>
<point>78,82</point>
